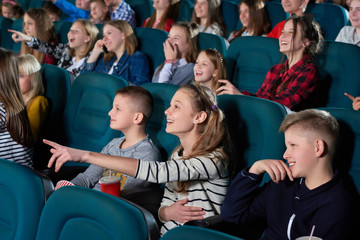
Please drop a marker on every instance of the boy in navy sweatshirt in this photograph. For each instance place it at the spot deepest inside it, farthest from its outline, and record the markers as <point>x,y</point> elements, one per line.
<point>304,193</point>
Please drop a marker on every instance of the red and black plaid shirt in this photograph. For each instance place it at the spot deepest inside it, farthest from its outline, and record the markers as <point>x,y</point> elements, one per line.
<point>302,83</point>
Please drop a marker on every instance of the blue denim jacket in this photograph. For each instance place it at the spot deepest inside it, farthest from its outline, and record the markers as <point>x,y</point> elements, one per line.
<point>133,68</point>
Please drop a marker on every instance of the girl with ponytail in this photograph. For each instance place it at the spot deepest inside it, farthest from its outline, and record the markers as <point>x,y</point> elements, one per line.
<point>196,174</point>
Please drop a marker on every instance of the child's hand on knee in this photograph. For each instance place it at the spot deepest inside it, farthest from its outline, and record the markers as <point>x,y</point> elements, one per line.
<point>276,169</point>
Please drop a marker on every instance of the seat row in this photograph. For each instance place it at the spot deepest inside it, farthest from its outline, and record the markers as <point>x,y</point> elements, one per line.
<point>248,59</point>
<point>253,122</point>
<point>30,209</point>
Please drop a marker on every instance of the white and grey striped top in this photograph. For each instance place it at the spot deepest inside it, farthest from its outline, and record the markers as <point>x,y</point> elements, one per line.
<point>9,149</point>
<point>208,178</point>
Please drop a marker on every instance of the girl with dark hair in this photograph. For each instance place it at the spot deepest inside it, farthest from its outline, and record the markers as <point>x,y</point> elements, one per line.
<point>164,16</point>
<point>291,83</point>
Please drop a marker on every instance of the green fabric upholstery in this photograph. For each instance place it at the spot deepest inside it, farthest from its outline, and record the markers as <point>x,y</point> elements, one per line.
<point>254,125</point>
<point>22,195</point>
<point>209,40</point>
<point>248,59</point>
<point>82,213</point>
<point>151,44</point>
<point>338,65</point>
<point>196,233</point>
<point>331,17</point>
<point>162,94</point>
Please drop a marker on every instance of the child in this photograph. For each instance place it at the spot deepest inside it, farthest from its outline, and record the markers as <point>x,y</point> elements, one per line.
<point>38,24</point>
<point>209,68</point>
<point>81,9</point>
<point>196,176</point>
<point>164,16</point>
<point>296,7</point>
<point>356,101</point>
<point>351,34</point>
<point>32,89</point>
<point>180,51</point>
<point>132,108</point>
<point>208,15</point>
<point>16,140</point>
<point>312,195</point>
<point>71,56</point>
<point>99,12</point>
<point>291,83</point>
<point>53,11</point>
<point>120,58</point>
<point>254,19</point>
<point>11,9</point>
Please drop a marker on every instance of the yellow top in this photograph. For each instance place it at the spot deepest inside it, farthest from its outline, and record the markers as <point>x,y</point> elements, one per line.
<point>37,113</point>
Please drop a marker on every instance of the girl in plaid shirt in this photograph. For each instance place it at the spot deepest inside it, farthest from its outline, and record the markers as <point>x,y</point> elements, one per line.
<point>291,83</point>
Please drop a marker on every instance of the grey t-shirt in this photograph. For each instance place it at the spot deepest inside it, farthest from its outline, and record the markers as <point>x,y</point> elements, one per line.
<point>144,150</point>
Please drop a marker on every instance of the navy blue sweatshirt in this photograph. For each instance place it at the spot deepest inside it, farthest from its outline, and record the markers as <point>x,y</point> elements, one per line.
<point>289,207</point>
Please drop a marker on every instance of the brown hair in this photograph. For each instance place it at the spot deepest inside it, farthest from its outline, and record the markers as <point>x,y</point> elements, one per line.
<point>315,121</point>
<point>171,12</point>
<point>192,32</point>
<point>259,23</point>
<point>52,9</point>
<point>218,60</point>
<point>17,121</point>
<point>45,31</point>
<point>130,38</point>
<point>214,16</point>
<point>15,6</point>
<point>107,16</point>
<point>213,135</point>
<point>141,100</point>
<point>309,30</point>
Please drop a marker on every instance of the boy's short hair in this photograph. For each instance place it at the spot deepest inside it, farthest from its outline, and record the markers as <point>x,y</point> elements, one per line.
<point>140,98</point>
<point>317,121</point>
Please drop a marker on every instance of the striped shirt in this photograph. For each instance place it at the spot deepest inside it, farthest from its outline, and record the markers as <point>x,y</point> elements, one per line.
<point>9,149</point>
<point>208,178</point>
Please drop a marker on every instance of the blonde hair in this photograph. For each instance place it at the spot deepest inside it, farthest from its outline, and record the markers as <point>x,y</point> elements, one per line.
<point>30,66</point>
<point>130,38</point>
<point>315,121</point>
<point>17,121</point>
<point>213,133</point>
<point>45,31</point>
<point>217,59</point>
<point>214,16</point>
<point>92,31</point>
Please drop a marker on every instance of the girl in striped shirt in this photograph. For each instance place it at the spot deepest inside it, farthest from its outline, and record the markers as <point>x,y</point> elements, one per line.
<point>16,139</point>
<point>196,174</point>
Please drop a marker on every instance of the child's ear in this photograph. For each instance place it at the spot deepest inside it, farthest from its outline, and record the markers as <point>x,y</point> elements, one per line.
<point>138,118</point>
<point>215,73</point>
<point>320,147</point>
<point>87,39</point>
<point>200,117</point>
<point>306,42</point>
